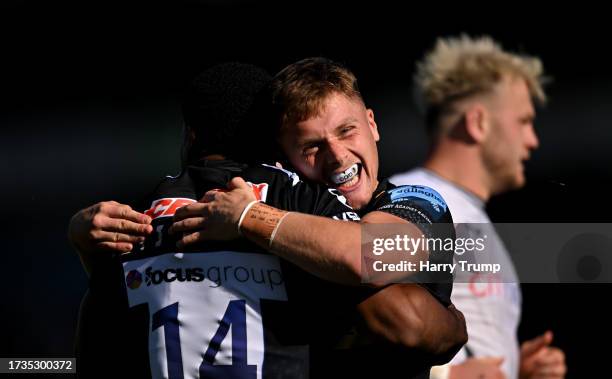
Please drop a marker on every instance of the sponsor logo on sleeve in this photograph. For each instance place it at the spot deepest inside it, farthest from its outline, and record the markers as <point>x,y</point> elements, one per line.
<point>405,193</point>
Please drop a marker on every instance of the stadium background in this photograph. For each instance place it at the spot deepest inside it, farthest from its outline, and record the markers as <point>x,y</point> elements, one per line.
<point>89,112</point>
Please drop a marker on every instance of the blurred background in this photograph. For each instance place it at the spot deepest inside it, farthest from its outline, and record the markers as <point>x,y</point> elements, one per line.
<point>89,112</point>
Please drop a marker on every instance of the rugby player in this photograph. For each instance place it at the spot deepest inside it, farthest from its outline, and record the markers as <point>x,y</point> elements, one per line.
<point>479,106</point>
<point>397,325</point>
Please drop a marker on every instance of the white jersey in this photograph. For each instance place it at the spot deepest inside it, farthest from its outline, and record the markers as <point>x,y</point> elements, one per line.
<point>231,285</point>
<point>492,309</point>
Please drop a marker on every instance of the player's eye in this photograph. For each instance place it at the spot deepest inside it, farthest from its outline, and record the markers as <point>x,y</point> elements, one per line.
<point>310,149</point>
<point>346,130</point>
<point>527,120</point>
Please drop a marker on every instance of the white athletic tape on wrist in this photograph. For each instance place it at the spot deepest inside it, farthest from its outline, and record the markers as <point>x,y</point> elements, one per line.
<point>276,229</point>
<point>244,212</point>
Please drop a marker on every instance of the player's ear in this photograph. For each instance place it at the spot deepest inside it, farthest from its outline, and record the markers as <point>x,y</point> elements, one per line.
<point>477,122</point>
<point>372,124</point>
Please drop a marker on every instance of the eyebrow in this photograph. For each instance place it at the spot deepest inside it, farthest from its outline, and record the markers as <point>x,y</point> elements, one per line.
<point>315,140</point>
<point>345,122</point>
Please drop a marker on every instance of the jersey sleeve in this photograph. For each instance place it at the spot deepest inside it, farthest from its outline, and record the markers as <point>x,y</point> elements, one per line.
<point>322,201</point>
<point>416,204</point>
<point>425,208</point>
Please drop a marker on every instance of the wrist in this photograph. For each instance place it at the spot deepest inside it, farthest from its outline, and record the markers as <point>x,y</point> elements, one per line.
<point>260,222</point>
<point>244,214</point>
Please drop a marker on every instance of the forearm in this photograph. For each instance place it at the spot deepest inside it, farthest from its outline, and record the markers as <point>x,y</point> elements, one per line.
<point>327,248</point>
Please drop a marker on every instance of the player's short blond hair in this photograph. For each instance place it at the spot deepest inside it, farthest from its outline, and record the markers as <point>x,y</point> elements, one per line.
<point>459,67</point>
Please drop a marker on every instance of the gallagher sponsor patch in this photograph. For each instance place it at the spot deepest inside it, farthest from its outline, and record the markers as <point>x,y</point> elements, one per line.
<point>404,193</point>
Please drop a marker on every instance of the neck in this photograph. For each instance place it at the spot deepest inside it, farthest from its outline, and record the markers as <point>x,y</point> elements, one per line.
<point>461,166</point>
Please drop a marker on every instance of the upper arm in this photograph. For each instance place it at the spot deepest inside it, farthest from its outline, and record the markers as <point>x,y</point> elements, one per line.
<point>428,215</point>
<point>378,217</point>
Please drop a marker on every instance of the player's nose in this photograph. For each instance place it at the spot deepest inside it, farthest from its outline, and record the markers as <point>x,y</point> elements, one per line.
<point>531,139</point>
<point>336,153</point>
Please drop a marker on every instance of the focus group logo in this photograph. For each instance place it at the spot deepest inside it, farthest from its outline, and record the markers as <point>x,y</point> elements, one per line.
<point>261,274</point>
<point>134,279</point>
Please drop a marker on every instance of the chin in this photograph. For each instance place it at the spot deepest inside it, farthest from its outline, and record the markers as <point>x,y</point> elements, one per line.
<point>509,183</point>
<point>356,201</point>
<point>519,182</point>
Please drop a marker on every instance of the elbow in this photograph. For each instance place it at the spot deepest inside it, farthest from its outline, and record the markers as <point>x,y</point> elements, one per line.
<point>411,335</point>
<point>436,348</point>
<point>461,336</point>
<point>445,352</point>
<point>461,333</point>
<point>451,341</point>
<point>439,340</point>
<point>408,318</point>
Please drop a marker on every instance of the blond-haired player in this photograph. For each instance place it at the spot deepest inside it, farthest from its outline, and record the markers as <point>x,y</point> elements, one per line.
<point>478,105</point>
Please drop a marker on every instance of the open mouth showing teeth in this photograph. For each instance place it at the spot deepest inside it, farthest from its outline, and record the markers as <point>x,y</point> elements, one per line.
<point>348,177</point>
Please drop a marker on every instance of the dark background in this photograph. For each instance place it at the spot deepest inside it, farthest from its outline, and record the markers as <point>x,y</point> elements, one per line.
<point>89,112</point>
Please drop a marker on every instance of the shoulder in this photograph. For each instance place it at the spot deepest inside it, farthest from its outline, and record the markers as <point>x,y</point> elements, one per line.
<point>271,172</point>
<point>423,198</point>
<point>418,193</point>
<point>288,191</point>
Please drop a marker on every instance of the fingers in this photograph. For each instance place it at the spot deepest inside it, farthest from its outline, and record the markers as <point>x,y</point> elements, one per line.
<point>101,222</point>
<point>108,225</point>
<point>202,231</point>
<point>532,346</point>
<point>191,210</point>
<point>209,196</point>
<point>548,363</point>
<point>233,184</point>
<point>115,217</point>
<point>121,247</point>
<point>101,235</point>
<point>548,336</point>
<point>554,371</point>
<point>122,211</point>
<point>551,357</point>
<point>189,239</point>
<point>187,225</point>
<point>236,183</point>
<point>558,374</point>
<point>115,241</point>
